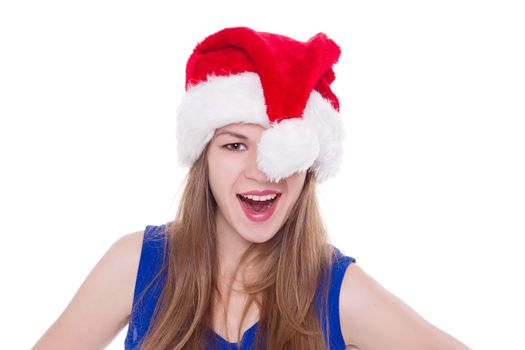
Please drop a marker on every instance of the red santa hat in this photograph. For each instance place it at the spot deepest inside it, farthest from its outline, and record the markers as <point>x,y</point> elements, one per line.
<point>239,75</point>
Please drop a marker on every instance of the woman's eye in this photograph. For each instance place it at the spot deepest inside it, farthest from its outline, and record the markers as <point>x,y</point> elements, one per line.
<point>234,148</point>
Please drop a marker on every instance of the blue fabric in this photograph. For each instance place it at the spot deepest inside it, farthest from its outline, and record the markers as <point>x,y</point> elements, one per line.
<point>151,262</point>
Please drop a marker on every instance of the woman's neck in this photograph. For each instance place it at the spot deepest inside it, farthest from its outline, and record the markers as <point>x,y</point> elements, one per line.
<point>230,247</point>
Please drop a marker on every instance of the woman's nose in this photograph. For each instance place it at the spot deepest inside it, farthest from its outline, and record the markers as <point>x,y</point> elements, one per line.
<point>253,172</point>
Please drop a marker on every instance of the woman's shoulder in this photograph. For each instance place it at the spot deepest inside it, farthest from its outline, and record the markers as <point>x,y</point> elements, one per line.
<point>127,251</point>
<point>134,252</point>
<point>129,245</point>
<point>139,254</point>
<point>141,247</point>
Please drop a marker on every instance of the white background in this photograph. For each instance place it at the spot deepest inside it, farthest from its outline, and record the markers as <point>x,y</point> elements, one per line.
<point>430,198</point>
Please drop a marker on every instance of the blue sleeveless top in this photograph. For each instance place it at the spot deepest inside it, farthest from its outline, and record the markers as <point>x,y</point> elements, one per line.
<point>151,260</point>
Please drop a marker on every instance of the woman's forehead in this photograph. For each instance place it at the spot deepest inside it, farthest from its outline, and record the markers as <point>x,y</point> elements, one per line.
<point>240,126</point>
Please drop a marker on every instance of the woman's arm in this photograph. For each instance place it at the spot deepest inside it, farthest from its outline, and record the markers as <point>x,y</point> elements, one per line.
<point>101,307</point>
<point>373,318</point>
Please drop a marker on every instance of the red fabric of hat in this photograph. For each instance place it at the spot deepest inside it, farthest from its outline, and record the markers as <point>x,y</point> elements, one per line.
<point>288,69</point>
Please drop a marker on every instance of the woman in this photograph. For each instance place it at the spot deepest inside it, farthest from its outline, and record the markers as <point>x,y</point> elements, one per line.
<point>247,261</point>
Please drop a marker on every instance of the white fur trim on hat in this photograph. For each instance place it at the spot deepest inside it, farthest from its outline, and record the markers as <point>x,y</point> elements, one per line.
<point>213,104</point>
<point>290,146</point>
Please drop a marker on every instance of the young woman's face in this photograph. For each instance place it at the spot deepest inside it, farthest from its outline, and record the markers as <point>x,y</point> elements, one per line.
<point>232,165</point>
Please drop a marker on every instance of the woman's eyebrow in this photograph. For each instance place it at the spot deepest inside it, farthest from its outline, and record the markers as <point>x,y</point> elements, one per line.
<point>234,134</point>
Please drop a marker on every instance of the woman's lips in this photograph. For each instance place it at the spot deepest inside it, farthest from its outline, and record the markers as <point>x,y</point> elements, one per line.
<point>258,216</point>
<point>261,193</point>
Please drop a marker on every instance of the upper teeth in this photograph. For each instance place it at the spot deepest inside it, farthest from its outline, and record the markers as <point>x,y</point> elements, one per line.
<point>260,198</point>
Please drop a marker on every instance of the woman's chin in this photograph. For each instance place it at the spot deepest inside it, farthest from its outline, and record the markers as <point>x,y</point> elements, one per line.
<point>257,235</point>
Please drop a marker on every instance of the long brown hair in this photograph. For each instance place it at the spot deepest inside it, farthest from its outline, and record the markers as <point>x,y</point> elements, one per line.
<point>291,265</point>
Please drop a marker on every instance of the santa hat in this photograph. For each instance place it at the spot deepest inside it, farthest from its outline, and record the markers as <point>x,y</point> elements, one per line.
<point>239,75</point>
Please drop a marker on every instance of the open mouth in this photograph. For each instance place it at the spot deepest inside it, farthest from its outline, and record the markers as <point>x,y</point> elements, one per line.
<point>257,210</point>
<point>257,206</point>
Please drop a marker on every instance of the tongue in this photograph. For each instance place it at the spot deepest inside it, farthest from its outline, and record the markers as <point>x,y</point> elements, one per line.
<point>257,205</point>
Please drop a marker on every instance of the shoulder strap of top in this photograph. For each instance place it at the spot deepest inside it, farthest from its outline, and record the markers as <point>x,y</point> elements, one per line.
<point>144,298</point>
<point>339,267</point>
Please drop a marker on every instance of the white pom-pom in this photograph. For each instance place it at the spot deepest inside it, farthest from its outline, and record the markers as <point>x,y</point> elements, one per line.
<point>287,147</point>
